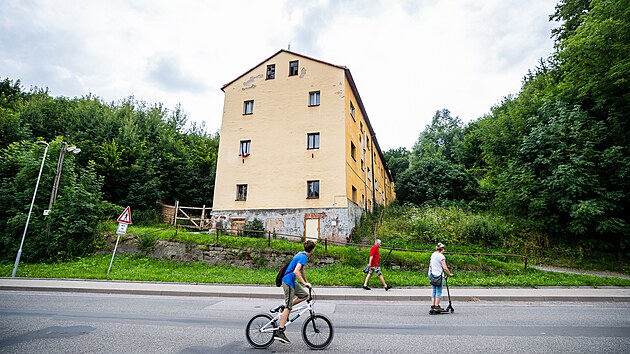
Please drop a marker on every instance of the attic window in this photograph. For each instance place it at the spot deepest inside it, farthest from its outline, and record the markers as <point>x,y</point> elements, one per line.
<point>293,67</point>
<point>271,71</point>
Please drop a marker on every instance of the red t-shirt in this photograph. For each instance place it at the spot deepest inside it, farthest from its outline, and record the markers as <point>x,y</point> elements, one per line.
<point>376,256</point>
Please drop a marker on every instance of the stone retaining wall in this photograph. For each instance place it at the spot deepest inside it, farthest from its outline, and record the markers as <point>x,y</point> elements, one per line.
<point>211,254</point>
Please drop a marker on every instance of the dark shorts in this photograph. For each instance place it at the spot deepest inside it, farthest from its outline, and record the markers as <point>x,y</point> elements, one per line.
<point>376,270</point>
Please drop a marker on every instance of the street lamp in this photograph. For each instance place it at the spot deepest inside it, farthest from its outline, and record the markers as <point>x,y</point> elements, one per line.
<point>19,254</point>
<point>53,194</point>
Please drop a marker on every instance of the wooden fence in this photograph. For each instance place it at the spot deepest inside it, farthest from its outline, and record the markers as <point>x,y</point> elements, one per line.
<point>188,217</point>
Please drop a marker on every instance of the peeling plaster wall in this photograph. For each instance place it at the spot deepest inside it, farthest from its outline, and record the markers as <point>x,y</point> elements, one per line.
<point>335,223</point>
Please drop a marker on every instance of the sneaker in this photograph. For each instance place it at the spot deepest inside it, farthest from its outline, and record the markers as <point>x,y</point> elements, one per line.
<point>278,308</point>
<point>388,287</point>
<point>280,336</point>
<point>366,287</point>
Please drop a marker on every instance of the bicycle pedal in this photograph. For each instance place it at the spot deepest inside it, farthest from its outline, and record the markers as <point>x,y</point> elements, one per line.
<point>278,308</point>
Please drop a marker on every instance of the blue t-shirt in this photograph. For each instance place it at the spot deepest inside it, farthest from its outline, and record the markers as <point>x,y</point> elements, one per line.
<point>289,278</point>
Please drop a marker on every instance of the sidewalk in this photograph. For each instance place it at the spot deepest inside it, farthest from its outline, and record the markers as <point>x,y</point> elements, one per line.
<point>616,294</point>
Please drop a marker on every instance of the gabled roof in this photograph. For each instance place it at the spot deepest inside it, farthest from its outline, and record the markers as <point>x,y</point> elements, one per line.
<point>355,91</point>
<point>278,52</point>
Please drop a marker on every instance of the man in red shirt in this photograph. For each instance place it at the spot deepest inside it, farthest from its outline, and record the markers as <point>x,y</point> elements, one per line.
<point>375,258</point>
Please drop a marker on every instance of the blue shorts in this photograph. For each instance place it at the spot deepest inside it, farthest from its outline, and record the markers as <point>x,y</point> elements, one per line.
<point>437,291</point>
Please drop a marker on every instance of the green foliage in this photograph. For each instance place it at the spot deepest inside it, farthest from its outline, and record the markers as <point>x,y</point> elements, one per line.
<point>69,229</point>
<point>132,154</point>
<point>397,160</point>
<point>254,228</point>
<point>147,243</point>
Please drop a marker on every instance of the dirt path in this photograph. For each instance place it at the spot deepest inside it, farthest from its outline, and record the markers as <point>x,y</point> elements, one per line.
<point>580,271</point>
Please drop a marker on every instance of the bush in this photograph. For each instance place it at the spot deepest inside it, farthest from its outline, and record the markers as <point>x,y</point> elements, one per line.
<point>254,228</point>
<point>147,243</point>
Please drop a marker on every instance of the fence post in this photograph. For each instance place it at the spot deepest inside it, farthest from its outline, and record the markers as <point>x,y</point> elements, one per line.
<point>268,238</point>
<point>203,217</point>
<point>525,262</point>
<point>326,244</point>
<point>176,212</point>
<point>479,260</point>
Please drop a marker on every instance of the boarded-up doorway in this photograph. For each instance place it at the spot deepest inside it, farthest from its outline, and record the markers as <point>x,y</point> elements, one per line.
<point>312,229</point>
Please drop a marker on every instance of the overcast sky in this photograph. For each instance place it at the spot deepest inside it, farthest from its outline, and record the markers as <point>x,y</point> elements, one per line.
<point>408,58</point>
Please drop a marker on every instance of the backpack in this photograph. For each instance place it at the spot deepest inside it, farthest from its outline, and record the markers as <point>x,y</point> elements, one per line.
<point>281,274</point>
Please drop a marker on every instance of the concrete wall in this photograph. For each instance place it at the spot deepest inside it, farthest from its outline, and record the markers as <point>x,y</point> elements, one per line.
<point>334,223</point>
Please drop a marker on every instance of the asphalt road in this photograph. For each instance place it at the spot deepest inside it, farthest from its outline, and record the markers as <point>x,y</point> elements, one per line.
<point>39,322</point>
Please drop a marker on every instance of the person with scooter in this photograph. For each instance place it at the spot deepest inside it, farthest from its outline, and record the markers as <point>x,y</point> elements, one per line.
<point>437,269</point>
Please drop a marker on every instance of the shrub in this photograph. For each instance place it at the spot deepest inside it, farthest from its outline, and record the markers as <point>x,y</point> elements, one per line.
<point>254,228</point>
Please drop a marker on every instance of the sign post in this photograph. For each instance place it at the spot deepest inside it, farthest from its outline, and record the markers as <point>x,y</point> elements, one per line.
<point>124,220</point>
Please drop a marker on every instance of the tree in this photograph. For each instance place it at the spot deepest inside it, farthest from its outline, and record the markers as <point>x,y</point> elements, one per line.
<point>397,160</point>
<point>567,180</point>
<point>434,180</point>
<point>441,138</point>
<point>435,174</point>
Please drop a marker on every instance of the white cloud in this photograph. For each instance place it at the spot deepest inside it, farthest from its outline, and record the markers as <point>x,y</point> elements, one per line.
<point>409,58</point>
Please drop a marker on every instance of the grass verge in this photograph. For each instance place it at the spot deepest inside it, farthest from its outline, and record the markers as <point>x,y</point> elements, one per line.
<point>138,268</point>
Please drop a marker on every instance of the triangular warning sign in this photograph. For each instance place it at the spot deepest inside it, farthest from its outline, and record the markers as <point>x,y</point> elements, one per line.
<point>125,216</point>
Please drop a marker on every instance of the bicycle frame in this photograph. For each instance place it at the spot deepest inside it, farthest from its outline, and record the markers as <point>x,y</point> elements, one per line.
<point>269,327</point>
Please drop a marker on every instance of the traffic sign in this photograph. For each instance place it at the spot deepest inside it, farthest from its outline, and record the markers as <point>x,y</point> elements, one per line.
<point>122,228</point>
<point>125,216</point>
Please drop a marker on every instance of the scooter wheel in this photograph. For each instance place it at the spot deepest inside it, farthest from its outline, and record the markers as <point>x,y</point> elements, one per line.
<point>452,310</point>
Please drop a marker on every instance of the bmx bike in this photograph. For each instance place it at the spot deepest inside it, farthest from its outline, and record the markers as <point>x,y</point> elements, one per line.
<point>317,330</point>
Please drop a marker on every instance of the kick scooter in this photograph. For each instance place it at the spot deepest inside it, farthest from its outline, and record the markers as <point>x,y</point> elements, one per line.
<point>449,308</point>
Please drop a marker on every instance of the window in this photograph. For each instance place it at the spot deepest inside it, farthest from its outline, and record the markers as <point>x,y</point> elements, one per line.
<point>353,151</point>
<point>271,71</point>
<point>354,194</point>
<point>362,165</point>
<point>352,110</point>
<point>313,141</point>
<point>369,174</point>
<point>312,190</point>
<point>241,192</point>
<point>248,107</point>
<point>313,98</point>
<point>245,146</point>
<point>293,68</point>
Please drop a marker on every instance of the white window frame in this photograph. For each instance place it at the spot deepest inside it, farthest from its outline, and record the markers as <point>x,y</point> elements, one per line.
<point>245,148</point>
<point>248,107</point>
<point>314,98</point>
<point>312,141</point>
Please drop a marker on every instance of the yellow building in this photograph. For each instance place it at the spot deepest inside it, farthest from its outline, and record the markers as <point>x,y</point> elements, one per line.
<point>297,150</point>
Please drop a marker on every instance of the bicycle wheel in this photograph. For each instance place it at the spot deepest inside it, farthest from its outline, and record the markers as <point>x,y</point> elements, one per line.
<point>317,332</point>
<point>254,336</point>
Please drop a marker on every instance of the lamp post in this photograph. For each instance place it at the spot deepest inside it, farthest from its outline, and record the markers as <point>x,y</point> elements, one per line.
<point>41,168</point>
<point>53,194</point>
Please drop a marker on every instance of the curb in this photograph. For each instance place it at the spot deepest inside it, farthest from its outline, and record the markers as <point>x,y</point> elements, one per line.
<point>462,294</point>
